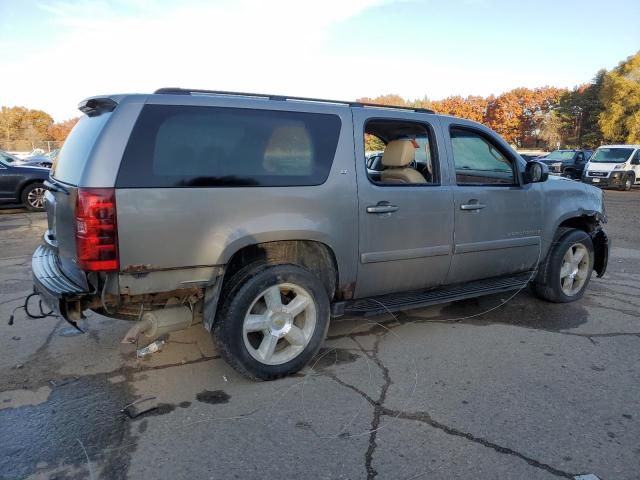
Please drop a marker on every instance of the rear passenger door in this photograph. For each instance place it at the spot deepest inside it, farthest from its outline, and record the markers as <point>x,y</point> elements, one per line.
<point>405,229</point>
<point>497,219</point>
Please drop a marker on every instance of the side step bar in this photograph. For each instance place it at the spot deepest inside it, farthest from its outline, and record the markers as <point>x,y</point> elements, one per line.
<point>423,298</point>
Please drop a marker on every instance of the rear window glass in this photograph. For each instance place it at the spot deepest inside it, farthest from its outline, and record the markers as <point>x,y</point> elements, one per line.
<point>188,146</point>
<point>67,167</point>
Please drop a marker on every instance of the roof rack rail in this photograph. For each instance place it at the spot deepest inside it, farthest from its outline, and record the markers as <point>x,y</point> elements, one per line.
<point>284,98</point>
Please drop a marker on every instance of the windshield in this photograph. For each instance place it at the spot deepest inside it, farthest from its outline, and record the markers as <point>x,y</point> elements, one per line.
<point>611,155</point>
<point>560,155</point>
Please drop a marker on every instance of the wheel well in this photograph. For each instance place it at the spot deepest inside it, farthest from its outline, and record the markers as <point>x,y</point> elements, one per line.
<point>26,185</point>
<point>316,257</point>
<point>584,223</point>
<point>591,225</point>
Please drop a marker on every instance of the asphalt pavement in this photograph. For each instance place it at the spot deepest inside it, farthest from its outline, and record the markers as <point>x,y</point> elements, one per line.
<point>501,387</point>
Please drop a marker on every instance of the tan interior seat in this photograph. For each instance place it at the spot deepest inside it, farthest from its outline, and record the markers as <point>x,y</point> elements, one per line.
<point>398,155</point>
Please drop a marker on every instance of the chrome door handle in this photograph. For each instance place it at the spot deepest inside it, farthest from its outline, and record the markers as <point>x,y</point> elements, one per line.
<point>472,206</point>
<point>382,208</point>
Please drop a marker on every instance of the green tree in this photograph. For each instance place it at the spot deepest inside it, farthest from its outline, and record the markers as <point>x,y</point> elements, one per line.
<point>579,110</point>
<point>552,129</point>
<point>620,96</point>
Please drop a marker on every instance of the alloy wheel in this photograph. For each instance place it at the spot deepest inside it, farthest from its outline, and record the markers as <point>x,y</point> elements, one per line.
<point>35,198</point>
<point>279,324</point>
<point>575,269</point>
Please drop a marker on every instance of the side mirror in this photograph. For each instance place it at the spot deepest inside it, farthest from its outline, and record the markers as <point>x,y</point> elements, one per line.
<point>535,172</point>
<point>635,161</point>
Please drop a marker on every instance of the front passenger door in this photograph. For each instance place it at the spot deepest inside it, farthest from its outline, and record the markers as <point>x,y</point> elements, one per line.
<point>635,165</point>
<point>497,220</point>
<point>8,182</point>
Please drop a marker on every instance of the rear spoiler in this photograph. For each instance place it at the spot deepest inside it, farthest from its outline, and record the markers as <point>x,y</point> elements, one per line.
<point>95,106</point>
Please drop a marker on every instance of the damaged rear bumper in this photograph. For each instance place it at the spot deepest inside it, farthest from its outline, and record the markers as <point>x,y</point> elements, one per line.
<point>61,294</point>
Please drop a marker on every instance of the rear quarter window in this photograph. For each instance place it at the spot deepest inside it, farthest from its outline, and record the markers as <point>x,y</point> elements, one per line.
<point>69,164</point>
<point>190,146</point>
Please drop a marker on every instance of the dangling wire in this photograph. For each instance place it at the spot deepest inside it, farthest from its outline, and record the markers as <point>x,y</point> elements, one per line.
<point>25,307</point>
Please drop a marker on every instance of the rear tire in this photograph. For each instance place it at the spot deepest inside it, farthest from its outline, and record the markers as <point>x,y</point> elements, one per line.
<point>33,197</point>
<point>567,270</point>
<point>272,320</point>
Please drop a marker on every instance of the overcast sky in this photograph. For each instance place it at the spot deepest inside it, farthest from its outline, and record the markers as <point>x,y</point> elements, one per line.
<point>54,53</point>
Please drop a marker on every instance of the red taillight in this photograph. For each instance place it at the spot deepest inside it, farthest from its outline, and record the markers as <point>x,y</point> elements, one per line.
<point>96,230</point>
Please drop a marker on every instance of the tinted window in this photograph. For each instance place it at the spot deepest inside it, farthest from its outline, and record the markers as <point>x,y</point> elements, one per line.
<point>77,147</point>
<point>478,161</point>
<point>187,146</point>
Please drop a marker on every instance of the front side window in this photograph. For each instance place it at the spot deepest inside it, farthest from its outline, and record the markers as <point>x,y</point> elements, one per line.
<point>188,146</point>
<point>478,161</point>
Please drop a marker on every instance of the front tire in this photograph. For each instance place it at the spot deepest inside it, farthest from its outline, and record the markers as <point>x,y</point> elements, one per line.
<point>272,320</point>
<point>628,183</point>
<point>567,271</point>
<point>33,197</point>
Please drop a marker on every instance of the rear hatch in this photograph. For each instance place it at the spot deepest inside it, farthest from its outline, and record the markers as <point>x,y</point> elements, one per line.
<point>61,199</point>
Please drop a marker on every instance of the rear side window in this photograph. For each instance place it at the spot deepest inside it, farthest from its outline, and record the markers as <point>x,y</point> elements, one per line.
<point>190,146</point>
<point>76,149</point>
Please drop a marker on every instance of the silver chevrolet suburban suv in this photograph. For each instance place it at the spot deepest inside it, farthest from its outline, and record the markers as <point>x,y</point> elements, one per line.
<point>257,216</point>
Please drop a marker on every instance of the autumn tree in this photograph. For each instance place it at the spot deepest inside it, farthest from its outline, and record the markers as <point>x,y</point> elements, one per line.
<point>389,99</point>
<point>20,123</point>
<point>620,96</point>
<point>504,115</point>
<point>423,102</point>
<point>518,114</point>
<point>471,107</point>
<point>60,130</point>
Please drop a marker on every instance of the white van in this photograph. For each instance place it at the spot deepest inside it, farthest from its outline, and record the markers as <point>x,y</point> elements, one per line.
<point>614,166</point>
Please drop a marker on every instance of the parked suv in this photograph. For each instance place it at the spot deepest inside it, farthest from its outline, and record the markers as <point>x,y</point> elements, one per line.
<point>615,166</point>
<point>568,163</point>
<point>256,215</point>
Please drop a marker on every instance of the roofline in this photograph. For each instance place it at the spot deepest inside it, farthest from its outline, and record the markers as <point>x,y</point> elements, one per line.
<point>284,98</point>
<point>621,145</point>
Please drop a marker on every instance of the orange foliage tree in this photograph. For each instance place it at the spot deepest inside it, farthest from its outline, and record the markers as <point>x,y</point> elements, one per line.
<point>518,114</point>
<point>471,107</point>
<point>60,130</point>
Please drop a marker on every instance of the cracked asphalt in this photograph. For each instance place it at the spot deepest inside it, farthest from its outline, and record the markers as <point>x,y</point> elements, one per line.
<point>504,386</point>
